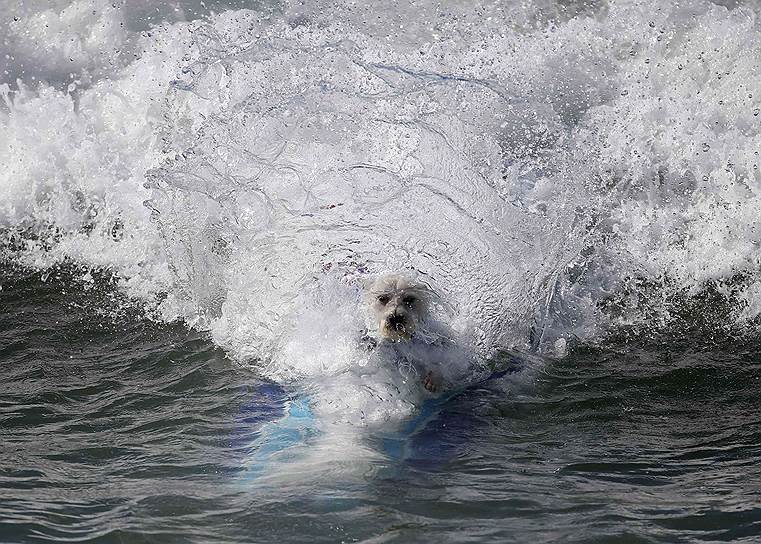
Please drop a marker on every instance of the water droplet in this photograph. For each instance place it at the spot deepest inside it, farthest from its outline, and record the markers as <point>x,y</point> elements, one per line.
<point>756,112</point>
<point>680,67</point>
<point>651,24</point>
<point>624,92</point>
<point>706,147</point>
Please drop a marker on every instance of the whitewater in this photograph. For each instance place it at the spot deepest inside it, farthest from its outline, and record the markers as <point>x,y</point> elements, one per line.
<point>530,173</point>
<point>559,173</point>
<point>237,171</point>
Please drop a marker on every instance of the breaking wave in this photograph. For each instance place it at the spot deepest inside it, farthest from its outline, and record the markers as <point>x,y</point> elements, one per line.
<point>554,171</point>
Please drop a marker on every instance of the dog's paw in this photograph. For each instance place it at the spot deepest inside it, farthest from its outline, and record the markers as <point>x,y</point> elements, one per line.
<point>431,382</point>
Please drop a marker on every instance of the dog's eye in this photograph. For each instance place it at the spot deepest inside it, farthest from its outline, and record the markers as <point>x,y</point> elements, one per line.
<point>383,299</point>
<point>408,301</point>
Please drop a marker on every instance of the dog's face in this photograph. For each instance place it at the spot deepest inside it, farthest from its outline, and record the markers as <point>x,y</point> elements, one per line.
<point>397,305</point>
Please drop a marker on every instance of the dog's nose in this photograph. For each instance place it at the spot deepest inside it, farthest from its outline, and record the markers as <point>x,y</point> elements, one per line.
<point>396,321</point>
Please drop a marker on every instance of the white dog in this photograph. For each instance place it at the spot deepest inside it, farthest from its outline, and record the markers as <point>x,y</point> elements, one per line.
<point>399,307</point>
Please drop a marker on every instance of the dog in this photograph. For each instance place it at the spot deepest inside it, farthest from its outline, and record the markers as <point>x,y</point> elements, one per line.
<point>399,307</point>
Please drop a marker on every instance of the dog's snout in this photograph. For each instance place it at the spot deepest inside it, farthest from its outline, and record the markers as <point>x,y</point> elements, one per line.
<point>396,321</point>
<point>397,307</point>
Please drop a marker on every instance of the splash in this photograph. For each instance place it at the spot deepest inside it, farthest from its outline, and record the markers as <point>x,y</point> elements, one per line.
<point>554,171</point>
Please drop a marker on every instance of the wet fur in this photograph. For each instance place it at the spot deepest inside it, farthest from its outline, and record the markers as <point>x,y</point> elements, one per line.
<point>398,307</point>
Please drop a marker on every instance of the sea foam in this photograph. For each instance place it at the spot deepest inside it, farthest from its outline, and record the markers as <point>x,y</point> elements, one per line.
<point>553,171</point>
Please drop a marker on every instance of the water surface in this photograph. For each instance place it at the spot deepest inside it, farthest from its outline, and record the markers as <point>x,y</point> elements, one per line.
<point>116,429</point>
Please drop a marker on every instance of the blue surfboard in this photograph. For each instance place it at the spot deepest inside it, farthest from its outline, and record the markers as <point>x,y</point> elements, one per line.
<point>278,440</point>
<point>282,439</point>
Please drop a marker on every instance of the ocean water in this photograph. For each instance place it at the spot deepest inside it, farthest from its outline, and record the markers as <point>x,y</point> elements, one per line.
<point>195,195</point>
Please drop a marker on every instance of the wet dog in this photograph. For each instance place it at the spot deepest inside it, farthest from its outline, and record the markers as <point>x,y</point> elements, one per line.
<point>398,307</point>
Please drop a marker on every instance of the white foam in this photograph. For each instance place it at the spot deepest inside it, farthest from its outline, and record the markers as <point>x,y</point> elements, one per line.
<point>528,163</point>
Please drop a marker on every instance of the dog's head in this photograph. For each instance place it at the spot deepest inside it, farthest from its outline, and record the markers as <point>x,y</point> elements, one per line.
<point>397,305</point>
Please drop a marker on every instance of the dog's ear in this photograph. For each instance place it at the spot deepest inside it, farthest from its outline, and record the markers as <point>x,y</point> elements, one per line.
<point>423,290</point>
<point>432,298</point>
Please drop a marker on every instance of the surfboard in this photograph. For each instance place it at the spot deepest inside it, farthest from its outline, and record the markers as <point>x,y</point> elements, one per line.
<point>283,439</point>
